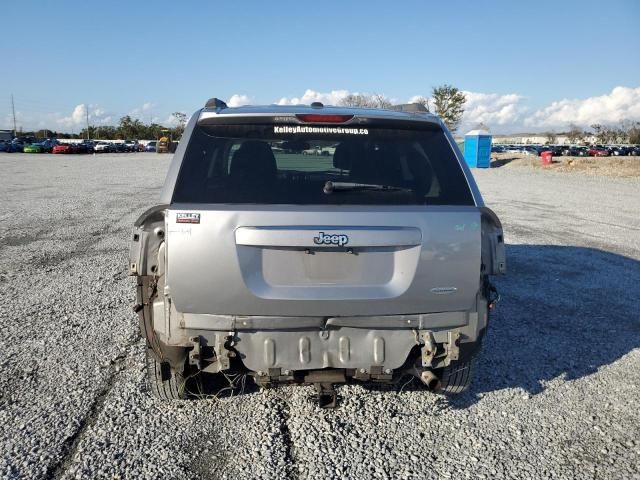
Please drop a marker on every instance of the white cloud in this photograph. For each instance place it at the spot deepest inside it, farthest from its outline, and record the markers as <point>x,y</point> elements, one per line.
<point>142,111</point>
<point>623,103</point>
<point>170,121</point>
<point>27,121</point>
<point>330,98</point>
<point>500,112</point>
<point>493,109</point>
<point>73,121</point>
<point>416,98</point>
<point>239,100</point>
<point>78,117</point>
<point>510,112</point>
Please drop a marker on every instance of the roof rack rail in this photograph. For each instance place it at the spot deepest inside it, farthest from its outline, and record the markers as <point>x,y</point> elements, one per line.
<point>409,107</point>
<point>215,103</point>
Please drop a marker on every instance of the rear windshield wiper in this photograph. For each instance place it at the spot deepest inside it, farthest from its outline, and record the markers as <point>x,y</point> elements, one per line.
<point>331,187</point>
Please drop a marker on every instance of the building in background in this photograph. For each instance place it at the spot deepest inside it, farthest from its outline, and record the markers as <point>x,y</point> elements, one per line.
<point>536,139</point>
<point>6,135</point>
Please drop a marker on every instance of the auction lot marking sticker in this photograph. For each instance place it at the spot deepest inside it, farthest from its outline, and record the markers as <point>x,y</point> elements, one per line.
<point>187,218</point>
<point>295,129</point>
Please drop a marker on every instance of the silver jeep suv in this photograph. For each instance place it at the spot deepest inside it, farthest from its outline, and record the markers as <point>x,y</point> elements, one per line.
<point>315,245</point>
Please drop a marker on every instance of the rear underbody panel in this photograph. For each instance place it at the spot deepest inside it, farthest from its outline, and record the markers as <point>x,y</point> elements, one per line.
<point>367,349</point>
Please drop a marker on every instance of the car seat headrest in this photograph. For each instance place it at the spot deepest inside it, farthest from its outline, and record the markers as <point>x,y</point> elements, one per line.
<point>253,159</point>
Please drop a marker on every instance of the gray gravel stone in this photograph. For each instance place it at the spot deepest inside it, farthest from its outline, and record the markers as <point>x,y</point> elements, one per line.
<point>556,388</point>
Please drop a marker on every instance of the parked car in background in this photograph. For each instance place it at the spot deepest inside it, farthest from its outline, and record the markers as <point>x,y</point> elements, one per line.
<point>52,142</point>
<point>151,147</point>
<point>513,149</point>
<point>16,146</point>
<point>103,147</point>
<point>620,151</point>
<point>89,145</point>
<point>555,150</point>
<point>582,152</point>
<point>140,147</point>
<point>46,145</point>
<point>33,148</point>
<point>25,140</point>
<point>131,145</point>
<point>579,151</point>
<point>497,149</point>
<point>598,152</point>
<point>81,148</point>
<point>62,148</point>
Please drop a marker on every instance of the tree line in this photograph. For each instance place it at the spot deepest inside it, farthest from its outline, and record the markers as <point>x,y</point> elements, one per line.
<point>446,101</point>
<point>625,132</point>
<point>134,128</point>
<point>127,128</point>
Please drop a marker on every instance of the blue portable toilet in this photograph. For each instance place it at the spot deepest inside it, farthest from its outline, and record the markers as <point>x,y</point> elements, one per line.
<point>477,149</point>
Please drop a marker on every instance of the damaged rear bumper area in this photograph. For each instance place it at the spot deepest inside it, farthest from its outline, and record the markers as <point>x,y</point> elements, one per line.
<point>373,346</point>
<point>323,351</point>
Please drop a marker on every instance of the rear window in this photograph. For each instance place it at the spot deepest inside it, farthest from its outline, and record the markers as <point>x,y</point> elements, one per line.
<point>291,164</point>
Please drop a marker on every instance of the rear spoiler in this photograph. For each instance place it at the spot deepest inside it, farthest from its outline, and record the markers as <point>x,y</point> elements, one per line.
<point>390,120</point>
<point>410,107</point>
<point>215,103</point>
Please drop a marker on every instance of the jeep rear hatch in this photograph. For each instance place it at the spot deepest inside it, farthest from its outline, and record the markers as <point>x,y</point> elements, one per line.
<point>254,229</point>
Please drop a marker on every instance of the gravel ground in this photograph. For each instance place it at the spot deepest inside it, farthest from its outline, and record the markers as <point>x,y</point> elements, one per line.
<point>614,166</point>
<point>556,390</point>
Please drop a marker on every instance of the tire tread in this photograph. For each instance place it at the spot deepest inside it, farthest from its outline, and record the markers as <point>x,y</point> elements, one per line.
<point>456,377</point>
<point>170,389</point>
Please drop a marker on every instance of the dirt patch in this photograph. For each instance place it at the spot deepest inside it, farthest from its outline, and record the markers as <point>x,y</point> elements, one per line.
<point>605,166</point>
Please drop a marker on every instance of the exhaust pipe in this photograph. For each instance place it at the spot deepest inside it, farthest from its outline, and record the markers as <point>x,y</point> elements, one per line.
<point>430,380</point>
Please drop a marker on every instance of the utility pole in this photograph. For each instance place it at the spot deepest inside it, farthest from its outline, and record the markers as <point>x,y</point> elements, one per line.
<point>86,109</point>
<point>13,109</point>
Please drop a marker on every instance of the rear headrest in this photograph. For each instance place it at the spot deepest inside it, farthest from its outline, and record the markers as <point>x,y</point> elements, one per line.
<point>254,158</point>
<point>343,156</point>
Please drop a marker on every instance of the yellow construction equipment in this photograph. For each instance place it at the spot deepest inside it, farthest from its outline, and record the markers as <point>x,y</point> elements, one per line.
<point>163,142</point>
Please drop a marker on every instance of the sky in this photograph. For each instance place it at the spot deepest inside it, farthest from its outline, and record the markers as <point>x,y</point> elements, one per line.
<point>524,66</point>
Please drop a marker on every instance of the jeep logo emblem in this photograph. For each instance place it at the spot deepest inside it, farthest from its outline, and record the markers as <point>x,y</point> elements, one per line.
<point>335,239</point>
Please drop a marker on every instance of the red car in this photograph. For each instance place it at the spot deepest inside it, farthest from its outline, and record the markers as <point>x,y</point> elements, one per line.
<point>62,148</point>
<point>598,152</point>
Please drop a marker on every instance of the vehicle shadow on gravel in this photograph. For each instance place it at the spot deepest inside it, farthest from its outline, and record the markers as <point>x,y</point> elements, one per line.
<point>565,312</point>
<point>500,162</point>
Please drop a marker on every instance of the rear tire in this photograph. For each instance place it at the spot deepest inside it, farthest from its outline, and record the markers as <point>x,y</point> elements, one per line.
<point>456,378</point>
<point>164,381</point>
